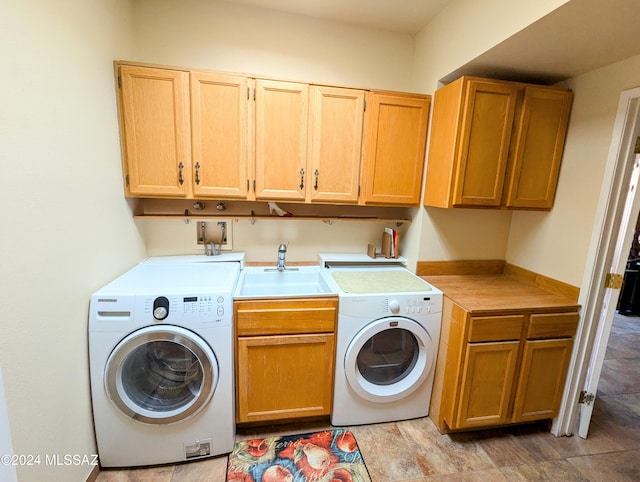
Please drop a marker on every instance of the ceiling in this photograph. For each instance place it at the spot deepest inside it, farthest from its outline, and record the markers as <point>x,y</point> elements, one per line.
<point>580,36</point>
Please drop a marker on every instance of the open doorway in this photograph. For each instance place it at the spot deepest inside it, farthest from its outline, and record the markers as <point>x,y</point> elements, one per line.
<point>614,227</point>
<point>618,390</point>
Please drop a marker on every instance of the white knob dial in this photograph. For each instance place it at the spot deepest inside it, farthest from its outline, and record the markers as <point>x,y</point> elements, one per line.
<point>394,306</point>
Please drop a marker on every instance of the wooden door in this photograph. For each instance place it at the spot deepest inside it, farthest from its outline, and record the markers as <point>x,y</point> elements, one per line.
<point>284,377</point>
<point>281,111</point>
<point>155,131</point>
<point>540,134</point>
<point>220,135</point>
<point>335,141</point>
<point>486,385</point>
<point>394,148</point>
<point>541,381</point>
<point>483,150</point>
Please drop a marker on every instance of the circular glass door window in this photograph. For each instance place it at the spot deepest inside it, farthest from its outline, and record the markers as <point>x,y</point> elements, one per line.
<point>388,356</point>
<point>388,359</point>
<point>161,374</point>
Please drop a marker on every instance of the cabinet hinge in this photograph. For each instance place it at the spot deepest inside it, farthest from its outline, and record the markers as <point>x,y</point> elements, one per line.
<point>254,94</point>
<point>586,397</point>
<point>119,82</point>
<point>365,105</point>
<point>613,281</point>
<point>248,93</point>
<point>358,190</point>
<point>636,150</point>
<point>126,179</point>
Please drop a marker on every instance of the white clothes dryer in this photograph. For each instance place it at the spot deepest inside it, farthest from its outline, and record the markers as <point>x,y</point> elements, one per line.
<point>387,340</point>
<point>161,363</point>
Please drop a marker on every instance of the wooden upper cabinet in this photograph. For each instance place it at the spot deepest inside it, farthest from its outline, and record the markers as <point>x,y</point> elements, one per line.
<point>155,131</point>
<point>281,123</point>
<point>190,134</point>
<point>394,147</point>
<point>220,135</point>
<point>538,147</point>
<point>335,142</point>
<point>496,143</point>
<point>485,137</point>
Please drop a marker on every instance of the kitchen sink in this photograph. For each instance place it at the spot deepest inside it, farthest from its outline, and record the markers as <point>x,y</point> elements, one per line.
<point>261,282</point>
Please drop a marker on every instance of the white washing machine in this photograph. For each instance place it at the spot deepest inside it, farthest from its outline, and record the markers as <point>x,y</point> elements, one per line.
<point>387,339</point>
<point>161,362</point>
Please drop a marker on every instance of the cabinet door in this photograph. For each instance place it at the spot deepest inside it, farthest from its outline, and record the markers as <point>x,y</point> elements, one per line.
<point>155,129</point>
<point>281,111</point>
<point>283,377</point>
<point>394,148</point>
<point>487,382</point>
<point>483,150</point>
<point>335,128</point>
<point>541,131</point>
<point>542,376</point>
<point>219,130</point>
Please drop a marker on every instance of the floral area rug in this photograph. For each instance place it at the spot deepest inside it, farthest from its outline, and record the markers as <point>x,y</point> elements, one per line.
<point>329,456</point>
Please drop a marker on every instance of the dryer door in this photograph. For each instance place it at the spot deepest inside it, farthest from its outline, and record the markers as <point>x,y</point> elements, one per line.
<point>161,374</point>
<point>389,359</point>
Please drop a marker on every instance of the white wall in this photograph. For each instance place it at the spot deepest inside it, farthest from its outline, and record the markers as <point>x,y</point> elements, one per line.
<point>66,229</point>
<point>556,243</point>
<point>222,36</point>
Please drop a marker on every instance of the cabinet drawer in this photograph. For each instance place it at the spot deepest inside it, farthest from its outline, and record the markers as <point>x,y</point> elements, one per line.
<point>495,328</point>
<point>271,317</point>
<point>552,325</point>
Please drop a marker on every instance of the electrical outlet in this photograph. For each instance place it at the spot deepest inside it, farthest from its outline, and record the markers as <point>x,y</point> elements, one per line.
<point>218,232</point>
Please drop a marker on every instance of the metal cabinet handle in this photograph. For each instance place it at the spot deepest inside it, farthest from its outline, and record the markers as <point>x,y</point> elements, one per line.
<point>197,173</point>
<point>301,178</point>
<point>316,184</point>
<point>180,178</point>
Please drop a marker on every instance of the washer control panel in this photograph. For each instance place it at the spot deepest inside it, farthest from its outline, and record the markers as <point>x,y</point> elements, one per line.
<point>185,309</point>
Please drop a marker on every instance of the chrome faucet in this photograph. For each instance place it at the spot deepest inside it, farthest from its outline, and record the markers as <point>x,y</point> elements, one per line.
<point>282,251</point>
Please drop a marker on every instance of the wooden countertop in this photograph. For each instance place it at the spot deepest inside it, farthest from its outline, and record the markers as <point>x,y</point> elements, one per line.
<point>491,293</point>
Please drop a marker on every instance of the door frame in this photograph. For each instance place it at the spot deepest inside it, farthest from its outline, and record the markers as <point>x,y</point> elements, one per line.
<point>606,249</point>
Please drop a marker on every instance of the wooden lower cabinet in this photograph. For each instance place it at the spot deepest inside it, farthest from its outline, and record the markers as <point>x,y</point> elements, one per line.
<point>285,357</point>
<point>486,384</point>
<point>542,375</point>
<point>500,369</point>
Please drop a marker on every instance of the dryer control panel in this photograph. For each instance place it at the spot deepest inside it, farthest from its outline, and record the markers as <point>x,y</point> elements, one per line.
<point>397,304</point>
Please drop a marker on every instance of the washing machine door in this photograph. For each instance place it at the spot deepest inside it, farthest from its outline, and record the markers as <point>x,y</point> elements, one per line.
<point>161,374</point>
<point>388,359</point>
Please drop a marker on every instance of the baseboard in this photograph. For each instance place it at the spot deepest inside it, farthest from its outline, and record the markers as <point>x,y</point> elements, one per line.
<point>93,475</point>
<point>467,267</point>
<point>543,282</point>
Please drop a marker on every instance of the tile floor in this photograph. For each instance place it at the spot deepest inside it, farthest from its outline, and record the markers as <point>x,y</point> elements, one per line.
<point>414,451</point>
